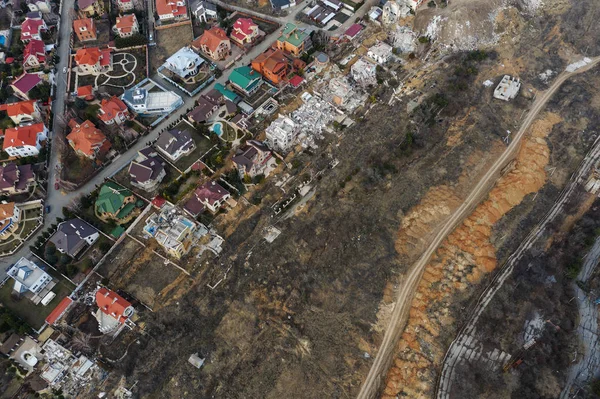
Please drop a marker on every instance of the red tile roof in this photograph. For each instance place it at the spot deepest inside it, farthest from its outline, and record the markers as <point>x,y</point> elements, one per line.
<point>59,310</point>
<point>85,137</point>
<point>22,135</point>
<point>353,30</point>
<point>86,23</point>
<point>87,92</point>
<point>158,201</point>
<point>126,23</point>
<point>31,27</point>
<point>111,108</point>
<point>35,48</point>
<point>166,7</point>
<point>88,56</point>
<point>242,28</point>
<point>112,304</point>
<point>211,38</point>
<point>296,81</point>
<point>20,108</point>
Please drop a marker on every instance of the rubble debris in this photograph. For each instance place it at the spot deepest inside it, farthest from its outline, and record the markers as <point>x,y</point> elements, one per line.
<point>196,360</point>
<point>508,88</point>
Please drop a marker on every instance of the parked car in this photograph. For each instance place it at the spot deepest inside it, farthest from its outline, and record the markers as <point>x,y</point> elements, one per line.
<point>64,69</point>
<point>48,209</point>
<point>56,186</point>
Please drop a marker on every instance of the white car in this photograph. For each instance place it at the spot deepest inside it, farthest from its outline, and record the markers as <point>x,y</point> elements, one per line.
<point>64,69</point>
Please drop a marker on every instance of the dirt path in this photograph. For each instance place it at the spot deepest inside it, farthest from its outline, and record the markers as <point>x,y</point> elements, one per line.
<point>380,366</point>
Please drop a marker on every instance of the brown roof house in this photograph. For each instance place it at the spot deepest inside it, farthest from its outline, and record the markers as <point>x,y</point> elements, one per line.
<point>214,43</point>
<point>203,110</point>
<point>73,237</point>
<point>252,159</point>
<point>174,144</point>
<point>16,179</point>
<point>147,170</point>
<point>210,195</point>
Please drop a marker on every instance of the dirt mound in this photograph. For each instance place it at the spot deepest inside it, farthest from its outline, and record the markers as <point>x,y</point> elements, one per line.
<point>461,261</point>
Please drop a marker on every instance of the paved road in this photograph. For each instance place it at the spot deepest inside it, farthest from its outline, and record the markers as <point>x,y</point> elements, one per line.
<point>374,381</point>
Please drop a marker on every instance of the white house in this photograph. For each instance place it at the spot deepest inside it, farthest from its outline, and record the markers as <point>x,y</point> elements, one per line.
<point>364,72</point>
<point>24,141</point>
<point>28,277</point>
<point>145,102</point>
<point>42,6</point>
<point>381,52</point>
<point>282,133</point>
<point>184,63</point>
<point>205,11</point>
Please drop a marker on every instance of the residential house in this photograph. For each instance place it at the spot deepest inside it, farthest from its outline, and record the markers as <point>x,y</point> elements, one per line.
<point>246,80</point>
<point>272,65</point>
<point>73,237</point>
<point>85,29</point>
<point>175,144</point>
<point>241,122</point>
<point>114,202</point>
<point>91,8</point>
<point>227,94</point>
<point>10,216</point>
<point>214,96</point>
<point>42,6</point>
<point>293,40</point>
<point>87,140</point>
<point>171,9</point>
<point>210,195</point>
<point>202,111</point>
<point>205,11</point>
<point>24,141</point>
<point>126,26</point>
<point>113,111</point>
<point>144,102</point>
<point>320,14</point>
<point>30,278</point>
<point>93,61</point>
<point>364,72</point>
<point>23,84</point>
<point>125,5</point>
<point>184,63</point>
<point>147,170</point>
<point>282,133</point>
<point>381,52</point>
<point>22,111</point>
<point>34,55</point>
<point>172,230</point>
<point>113,311</point>
<point>282,4</point>
<point>214,43</point>
<point>353,31</point>
<point>391,12</point>
<point>252,159</point>
<point>244,32</point>
<point>85,92</point>
<point>33,26</point>
<point>16,179</point>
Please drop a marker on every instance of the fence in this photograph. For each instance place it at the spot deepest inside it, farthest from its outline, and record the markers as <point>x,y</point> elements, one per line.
<point>173,25</point>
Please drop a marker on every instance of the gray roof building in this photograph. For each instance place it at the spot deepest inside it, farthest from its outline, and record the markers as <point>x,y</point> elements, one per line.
<point>73,236</point>
<point>175,143</point>
<point>147,170</point>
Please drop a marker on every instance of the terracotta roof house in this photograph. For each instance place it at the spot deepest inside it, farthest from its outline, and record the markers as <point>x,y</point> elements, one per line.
<point>127,25</point>
<point>16,179</point>
<point>245,80</point>
<point>91,7</point>
<point>22,111</point>
<point>210,195</point>
<point>292,40</point>
<point>113,311</point>
<point>34,54</point>
<point>202,111</point>
<point>86,92</point>
<point>125,5</point>
<point>10,215</point>
<point>244,31</point>
<point>252,159</point>
<point>24,83</point>
<point>93,61</point>
<point>87,140</point>
<point>32,27</point>
<point>59,311</point>
<point>24,141</point>
<point>214,43</point>
<point>113,111</point>
<point>114,202</point>
<point>272,65</point>
<point>85,29</point>
<point>147,170</point>
<point>73,237</point>
<point>171,9</point>
<point>174,144</point>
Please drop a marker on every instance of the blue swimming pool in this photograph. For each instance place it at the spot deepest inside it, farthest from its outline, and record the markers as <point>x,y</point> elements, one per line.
<point>217,128</point>
<point>2,40</point>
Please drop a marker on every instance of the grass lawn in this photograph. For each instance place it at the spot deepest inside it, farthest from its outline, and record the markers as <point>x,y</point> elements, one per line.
<point>32,213</point>
<point>28,227</point>
<point>203,144</point>
<point>76,169</point>
<point>34,315</point>
<point>229,133</point>
<point>9,245</point>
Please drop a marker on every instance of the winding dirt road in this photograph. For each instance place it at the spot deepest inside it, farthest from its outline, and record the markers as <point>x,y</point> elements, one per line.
<point>373,383</point>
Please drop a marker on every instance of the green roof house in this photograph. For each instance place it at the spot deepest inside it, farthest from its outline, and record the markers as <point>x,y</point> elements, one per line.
<point>292,40</point>
<point>115,202</point>
<point>228,94</point>
<point>245,79</point>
